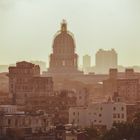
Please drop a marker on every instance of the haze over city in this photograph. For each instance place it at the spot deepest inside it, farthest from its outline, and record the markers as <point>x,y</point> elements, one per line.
<point>69,69</point>
<point>27,28</point>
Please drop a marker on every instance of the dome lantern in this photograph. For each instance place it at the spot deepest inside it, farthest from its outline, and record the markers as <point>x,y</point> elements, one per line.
<point>64,26</point>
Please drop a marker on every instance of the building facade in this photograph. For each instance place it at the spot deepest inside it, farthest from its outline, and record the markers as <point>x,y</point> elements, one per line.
<point>98,114</point>
<point>8,109</point>
<point>127,86</point>
<point>25,82</point>
<point>106,59</point>
<point>20,121</point>
<point>82,97</point>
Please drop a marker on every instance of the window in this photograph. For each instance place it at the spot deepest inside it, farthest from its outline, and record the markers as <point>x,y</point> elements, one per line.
<point>122,108</point>
<point>74,113</point>
<point>114,122</point>
<point>114,108</point>
<point>100,115</point>
<point>114,115</point>
<point>9,121</point>
<point>122,116</point>
<point>29,121</point>
<point>73,121</point>
<point>16,122</point>
<point>118,115</point>
<point>23,121</point>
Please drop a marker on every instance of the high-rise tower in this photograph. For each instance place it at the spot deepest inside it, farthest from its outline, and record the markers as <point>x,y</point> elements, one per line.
<point>105,60</point>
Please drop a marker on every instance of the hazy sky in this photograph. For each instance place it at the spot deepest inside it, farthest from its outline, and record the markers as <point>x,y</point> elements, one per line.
<point>27,28</point>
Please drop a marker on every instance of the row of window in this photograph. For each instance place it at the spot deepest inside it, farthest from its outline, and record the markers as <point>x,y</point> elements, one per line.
<point>100,115</point>
<point>122,108</point>
<point>95,121</point>
<point>23,122</point>
<point>118,116</point>
<point>114,108</point>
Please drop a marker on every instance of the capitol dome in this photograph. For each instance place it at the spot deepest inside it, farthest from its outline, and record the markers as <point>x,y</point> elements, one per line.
<point>64,40</point>
<point>63,58</point>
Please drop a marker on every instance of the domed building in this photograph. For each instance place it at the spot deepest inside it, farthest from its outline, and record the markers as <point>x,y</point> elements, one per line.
<point>63,60</point>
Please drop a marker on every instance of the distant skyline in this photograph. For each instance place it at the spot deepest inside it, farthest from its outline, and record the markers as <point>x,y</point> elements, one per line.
<point>27,28</point>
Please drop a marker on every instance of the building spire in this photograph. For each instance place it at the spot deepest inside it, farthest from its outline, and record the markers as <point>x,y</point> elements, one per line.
<point>63,26</point>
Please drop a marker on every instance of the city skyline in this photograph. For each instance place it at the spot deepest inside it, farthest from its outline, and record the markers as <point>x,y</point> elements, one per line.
<point>28,28</point>
<point>69,70</point>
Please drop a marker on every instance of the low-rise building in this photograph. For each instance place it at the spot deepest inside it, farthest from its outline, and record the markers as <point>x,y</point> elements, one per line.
<point>36,122</point>
<point>98,114</point>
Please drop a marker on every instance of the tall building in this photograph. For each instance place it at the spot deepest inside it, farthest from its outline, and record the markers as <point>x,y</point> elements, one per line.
<point>106,59</point>
<point>25,82</point>
<point>86,63</point>
<point>63,60</point>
